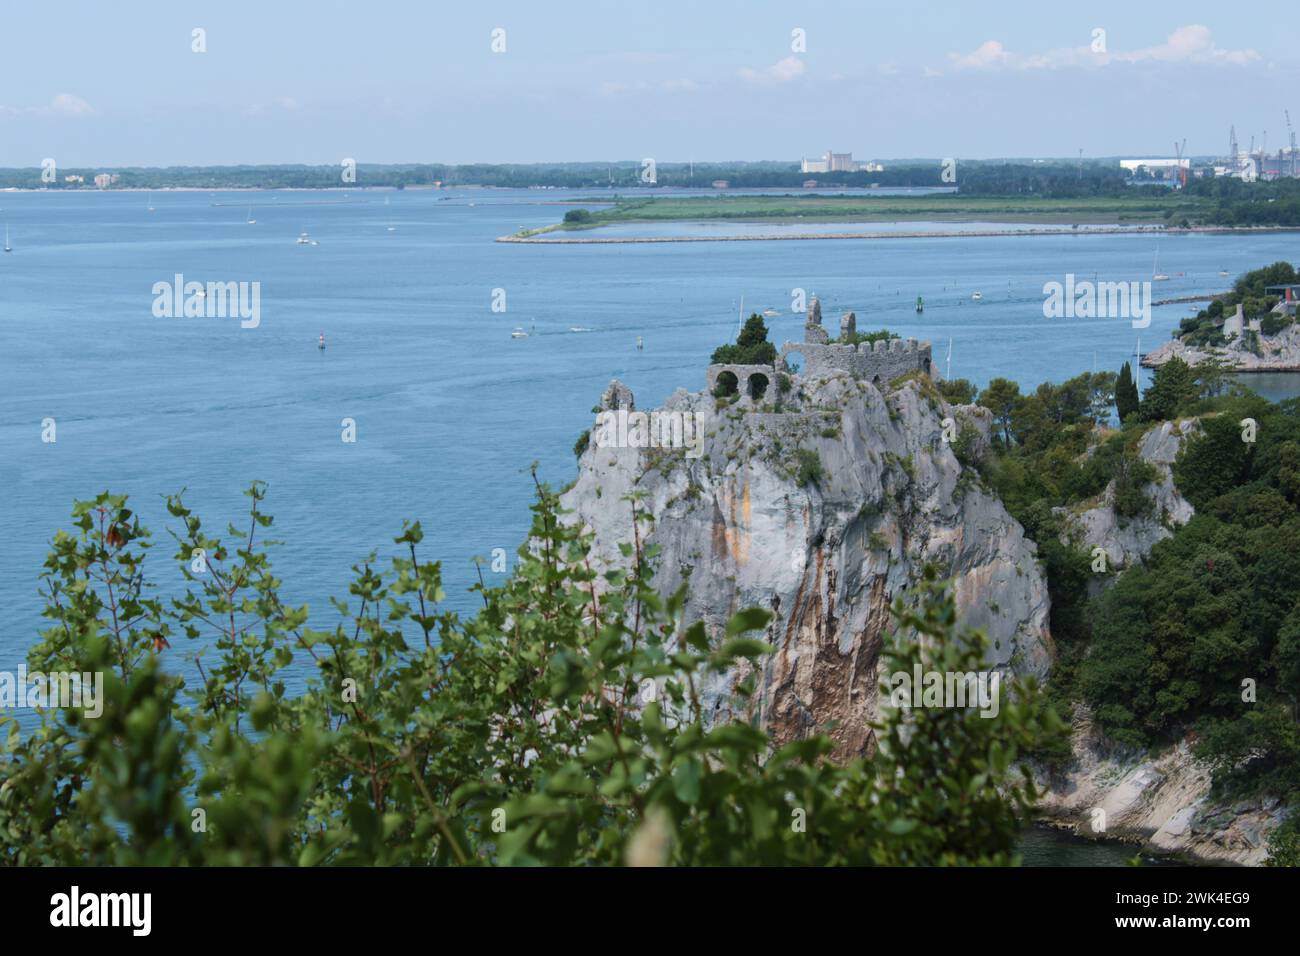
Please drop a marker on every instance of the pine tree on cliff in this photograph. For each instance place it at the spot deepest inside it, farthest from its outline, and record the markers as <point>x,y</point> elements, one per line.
<point>1172,387</point>
<point>751,347</point>
<point>1126,393</point>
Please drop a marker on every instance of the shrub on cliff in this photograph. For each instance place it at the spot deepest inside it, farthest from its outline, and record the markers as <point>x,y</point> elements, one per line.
<point>751,346</point>
<point>563,724</point>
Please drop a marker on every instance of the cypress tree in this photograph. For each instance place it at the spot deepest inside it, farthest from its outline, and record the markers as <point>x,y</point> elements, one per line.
<point>1126,393</point>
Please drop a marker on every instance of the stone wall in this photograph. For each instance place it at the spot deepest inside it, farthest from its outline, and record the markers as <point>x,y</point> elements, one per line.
<point>752,381</point>
<point>873,361</point>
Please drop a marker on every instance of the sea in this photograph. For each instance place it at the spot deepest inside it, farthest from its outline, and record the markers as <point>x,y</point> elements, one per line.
<point>417,304</point>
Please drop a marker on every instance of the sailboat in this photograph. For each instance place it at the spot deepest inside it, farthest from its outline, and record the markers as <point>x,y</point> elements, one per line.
<point>321,344</point>
<point>920,305</point>
<point>1156,274</point>
<point>639,344</point>
<point>149,202</point>
<point>8,248</point>
<point>251,220</point>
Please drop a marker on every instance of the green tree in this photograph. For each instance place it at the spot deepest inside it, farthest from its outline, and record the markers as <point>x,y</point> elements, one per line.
<point>1000,397</point>
<point>958,391</point>
<point>1126,393</point>
<point>1173,387</point>
<point>751,346</point>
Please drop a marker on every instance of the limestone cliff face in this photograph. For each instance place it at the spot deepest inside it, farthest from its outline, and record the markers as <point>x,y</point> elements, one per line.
<point>1127,541</point>
<point>1277,353</point>
<point>1160,801</point>
<point>827,554</point>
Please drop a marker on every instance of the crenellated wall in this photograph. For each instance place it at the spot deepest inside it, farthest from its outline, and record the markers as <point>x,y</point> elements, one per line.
<point>874,361</point>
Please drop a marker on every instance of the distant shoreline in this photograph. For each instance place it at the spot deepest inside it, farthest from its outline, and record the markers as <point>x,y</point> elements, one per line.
<point>940,234</point>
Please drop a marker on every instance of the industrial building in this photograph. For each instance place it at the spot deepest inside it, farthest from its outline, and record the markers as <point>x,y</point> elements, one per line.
<point>838,163</point>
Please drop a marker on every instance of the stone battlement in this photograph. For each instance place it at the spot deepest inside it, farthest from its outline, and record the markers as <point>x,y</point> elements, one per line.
<point>875,361</point>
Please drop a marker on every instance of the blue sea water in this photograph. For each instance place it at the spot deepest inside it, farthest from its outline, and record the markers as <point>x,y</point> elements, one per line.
<point>449,409</point>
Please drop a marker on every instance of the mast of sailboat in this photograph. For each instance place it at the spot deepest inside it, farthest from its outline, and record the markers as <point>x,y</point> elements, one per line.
<point>740,320</point>
<point>947,374</point>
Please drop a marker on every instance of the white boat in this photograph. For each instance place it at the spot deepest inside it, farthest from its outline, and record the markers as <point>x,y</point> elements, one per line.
<point>977,296</point>
<point>579,328</point>
<point>518,333</point>
<point>1223,272</point>
<point>1156,274</point>
<point>8,248</point>
<point>305,240</point>
<point>149,202</point>
<point>770,312</point>
<point>251,220</point>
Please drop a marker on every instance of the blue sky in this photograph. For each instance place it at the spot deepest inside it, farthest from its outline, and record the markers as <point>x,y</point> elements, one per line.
<point>388,81</point>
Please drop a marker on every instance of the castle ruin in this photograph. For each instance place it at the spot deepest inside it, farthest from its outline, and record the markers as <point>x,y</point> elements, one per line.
<point>876,362</point>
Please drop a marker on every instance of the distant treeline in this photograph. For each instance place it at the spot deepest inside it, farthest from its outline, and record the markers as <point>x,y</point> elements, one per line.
<point>983,177</point>
<point>1230,201</point>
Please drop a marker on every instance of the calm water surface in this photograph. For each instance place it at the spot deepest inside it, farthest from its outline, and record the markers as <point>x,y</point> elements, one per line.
<point>449,409</point>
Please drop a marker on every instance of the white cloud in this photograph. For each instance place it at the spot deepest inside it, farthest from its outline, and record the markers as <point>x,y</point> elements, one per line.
<point>69,104</point>
<point>988,55</point>
<point>1187,44</point>
<point>1193,44</point>
<point>64,104</point>
<point>782,71</point>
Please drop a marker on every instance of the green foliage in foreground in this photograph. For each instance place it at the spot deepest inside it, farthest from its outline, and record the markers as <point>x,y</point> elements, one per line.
<point>563,724</point>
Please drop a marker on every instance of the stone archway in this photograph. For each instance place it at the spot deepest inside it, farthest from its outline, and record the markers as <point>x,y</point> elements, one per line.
<point>757,386</point>
<point>726,384</point>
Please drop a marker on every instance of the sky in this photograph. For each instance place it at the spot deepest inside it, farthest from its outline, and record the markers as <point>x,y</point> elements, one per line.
<point>391,81</point>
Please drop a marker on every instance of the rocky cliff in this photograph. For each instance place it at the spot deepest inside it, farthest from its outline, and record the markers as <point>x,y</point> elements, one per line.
<point>1160,802</point>
<point>1096,525</point>
<point>1271,353</point>
<point>823,504</point>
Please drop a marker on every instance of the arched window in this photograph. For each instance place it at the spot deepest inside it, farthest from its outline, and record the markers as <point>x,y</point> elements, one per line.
<point>726,384</point>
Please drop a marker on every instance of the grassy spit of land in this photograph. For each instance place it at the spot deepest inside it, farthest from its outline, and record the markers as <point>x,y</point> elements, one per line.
<point>946,207</point>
